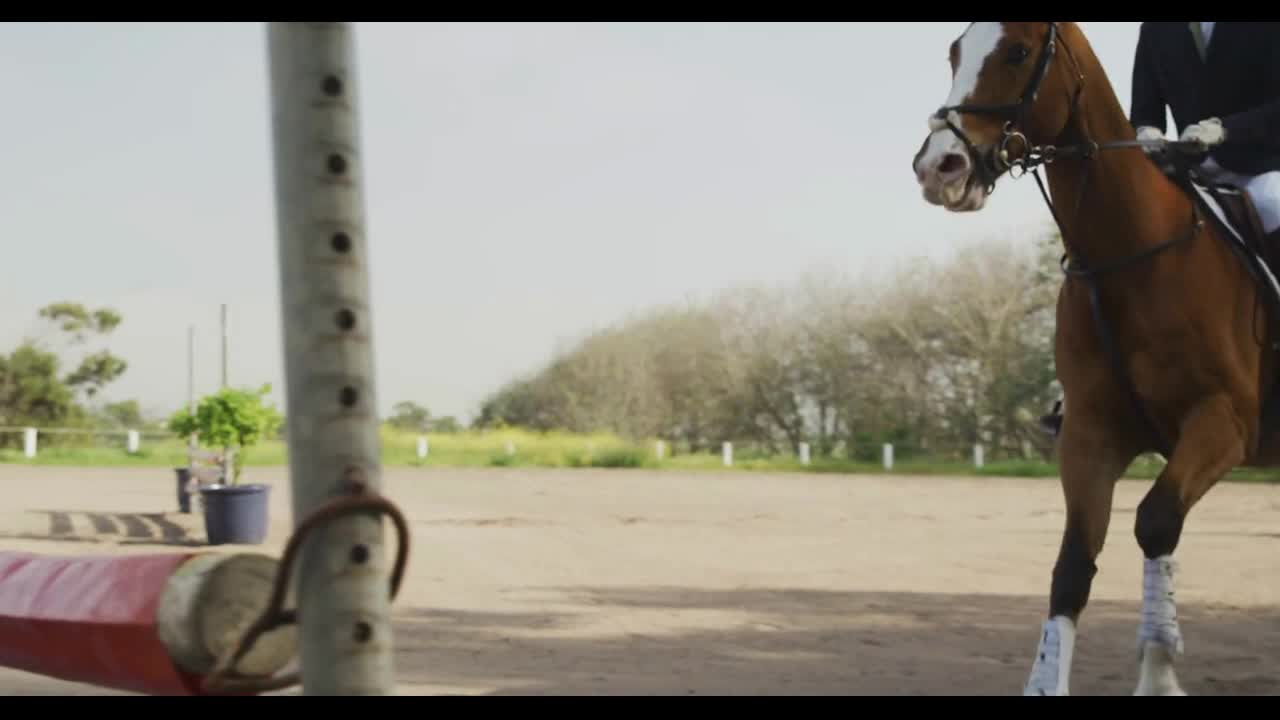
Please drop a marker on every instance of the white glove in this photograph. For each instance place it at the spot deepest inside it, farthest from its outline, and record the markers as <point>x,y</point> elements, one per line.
<point>1210,132</point>
<point>1146,133</point>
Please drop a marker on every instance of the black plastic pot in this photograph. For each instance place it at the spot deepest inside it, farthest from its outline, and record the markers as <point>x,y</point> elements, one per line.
<point>184,497</point>
<point>236,514</point>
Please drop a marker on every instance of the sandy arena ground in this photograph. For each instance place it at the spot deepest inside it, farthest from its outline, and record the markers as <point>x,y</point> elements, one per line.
<point>625,582</point>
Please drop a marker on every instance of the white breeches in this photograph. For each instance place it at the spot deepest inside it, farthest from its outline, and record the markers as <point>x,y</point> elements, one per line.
<point>1263,190</point>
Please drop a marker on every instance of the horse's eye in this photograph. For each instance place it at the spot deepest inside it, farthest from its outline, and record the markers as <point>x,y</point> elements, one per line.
<point>1018,54</point>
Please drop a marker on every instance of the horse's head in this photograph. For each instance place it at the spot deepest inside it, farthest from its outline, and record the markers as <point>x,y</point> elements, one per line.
<point>998,71</point>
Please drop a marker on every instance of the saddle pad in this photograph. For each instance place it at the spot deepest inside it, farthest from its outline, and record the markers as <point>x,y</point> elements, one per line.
<point>1224,220</point>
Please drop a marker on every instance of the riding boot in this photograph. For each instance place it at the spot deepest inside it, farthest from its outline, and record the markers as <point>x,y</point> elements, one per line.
<point>1271,250</point>
<point>1052,423</point>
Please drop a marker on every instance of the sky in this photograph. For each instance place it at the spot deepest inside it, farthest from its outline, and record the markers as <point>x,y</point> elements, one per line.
<point>525,183</point>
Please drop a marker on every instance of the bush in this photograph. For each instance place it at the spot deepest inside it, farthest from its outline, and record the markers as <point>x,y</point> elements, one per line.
<point>231,418</point>
<point>619,458</point>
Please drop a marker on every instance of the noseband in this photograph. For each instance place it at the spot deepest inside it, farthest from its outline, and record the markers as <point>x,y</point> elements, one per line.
<point>989,166</point>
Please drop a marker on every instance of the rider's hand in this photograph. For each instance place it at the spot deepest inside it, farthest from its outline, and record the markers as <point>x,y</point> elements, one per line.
<point>1146,133</point>
<point>1208,132</point>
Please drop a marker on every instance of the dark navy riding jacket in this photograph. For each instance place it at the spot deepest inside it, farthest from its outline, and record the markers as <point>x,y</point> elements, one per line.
<point>1238,82</point>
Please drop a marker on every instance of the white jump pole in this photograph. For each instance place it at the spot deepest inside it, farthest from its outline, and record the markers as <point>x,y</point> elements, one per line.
<point>344,613</point>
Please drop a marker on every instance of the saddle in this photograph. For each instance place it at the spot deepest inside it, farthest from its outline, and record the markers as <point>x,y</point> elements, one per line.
<point>1236,211</point>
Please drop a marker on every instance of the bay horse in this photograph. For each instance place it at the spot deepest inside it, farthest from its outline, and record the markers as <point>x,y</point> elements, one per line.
<point>1162,341</point>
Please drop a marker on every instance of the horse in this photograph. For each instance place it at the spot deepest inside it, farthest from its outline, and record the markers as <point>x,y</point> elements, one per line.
<point>1163,321</point>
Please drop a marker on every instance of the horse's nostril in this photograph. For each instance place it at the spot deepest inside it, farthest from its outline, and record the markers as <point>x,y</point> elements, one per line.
<point>953,163</point>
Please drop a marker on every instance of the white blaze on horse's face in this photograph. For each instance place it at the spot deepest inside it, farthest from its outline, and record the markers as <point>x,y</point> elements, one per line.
<point>943,166</point>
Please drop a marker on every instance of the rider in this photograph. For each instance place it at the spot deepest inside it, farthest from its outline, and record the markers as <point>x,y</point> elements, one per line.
<point>1221,81</point>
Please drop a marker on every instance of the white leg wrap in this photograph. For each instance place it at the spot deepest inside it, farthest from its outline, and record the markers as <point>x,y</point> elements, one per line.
<point>1159,611</point>
<point>1051,672</point>
<point>1159,637</point>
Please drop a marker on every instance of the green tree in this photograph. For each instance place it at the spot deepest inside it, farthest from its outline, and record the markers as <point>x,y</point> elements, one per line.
<point>410,416</point>
<point>79,321</point>
<point>446,424</point>
<point>31,393</point>
<point>125,414</point>
<point>32,389</point>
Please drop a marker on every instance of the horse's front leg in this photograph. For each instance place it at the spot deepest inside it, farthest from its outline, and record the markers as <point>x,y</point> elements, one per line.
<point>1091,463</point>
<point>1211,442</point>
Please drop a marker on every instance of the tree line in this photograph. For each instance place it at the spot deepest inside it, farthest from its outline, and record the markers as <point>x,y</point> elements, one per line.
<point>36,391</point>
<point>933,357</point>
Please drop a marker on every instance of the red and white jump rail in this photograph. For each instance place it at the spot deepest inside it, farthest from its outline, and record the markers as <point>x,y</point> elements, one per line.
<point>156,624</point>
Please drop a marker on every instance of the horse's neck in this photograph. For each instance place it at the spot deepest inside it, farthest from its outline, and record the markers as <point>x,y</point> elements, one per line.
<point>1125,204</point>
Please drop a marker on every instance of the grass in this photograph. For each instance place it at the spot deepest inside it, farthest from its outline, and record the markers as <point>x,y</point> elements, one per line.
<point>520,448</point>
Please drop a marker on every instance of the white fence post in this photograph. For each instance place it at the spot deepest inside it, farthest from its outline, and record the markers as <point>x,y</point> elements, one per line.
<point>511,448</point>
<point>132,443</point>
<point>978,456</point>
<point>660,449</point>
<point>727,452</point>
<point>888,456</point>
<point>804,453</point>
<point>422,447</point>
<point>29,442</point>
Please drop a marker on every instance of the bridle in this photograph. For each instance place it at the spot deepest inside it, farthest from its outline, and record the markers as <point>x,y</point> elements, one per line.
<point>991,165</point>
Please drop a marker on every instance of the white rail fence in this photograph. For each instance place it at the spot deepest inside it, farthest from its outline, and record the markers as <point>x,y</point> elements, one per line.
<point>130,439</point>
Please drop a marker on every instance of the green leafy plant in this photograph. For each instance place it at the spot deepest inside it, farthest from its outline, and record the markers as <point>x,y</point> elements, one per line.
<point>232,418</point>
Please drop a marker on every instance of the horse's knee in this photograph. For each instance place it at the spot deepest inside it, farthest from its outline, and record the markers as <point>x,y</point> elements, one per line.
<point>1072,574</point>
<point>1158,524</point>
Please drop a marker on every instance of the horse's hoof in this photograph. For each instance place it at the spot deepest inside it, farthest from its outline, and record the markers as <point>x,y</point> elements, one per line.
<point>1156,676</point>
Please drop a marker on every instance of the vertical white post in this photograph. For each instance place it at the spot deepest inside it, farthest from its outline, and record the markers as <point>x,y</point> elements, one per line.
<point>344,613</point>
<point>191,391</point>
<point>660,449</point>
<point>804,453</point>
<point>422,447</point>
<point>511,448</point>
<point>726,452</point>
<point>29,442</point>
<point>978,456</point>
<point>226,342</point>
<point>132,443</point>
<point>888,456</point>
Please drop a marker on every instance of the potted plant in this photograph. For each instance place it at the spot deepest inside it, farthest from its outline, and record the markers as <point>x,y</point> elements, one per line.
<point>232,419</point>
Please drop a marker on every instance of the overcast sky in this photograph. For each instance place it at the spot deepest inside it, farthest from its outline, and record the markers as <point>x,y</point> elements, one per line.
<point>525,182</point>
